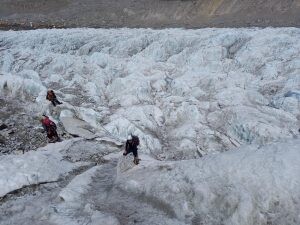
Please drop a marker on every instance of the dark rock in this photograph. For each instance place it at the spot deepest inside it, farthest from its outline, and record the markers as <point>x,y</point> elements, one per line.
<point>3,126</point>
<point>11,124</point>
<point>2,139</point>
<point>11,132</point>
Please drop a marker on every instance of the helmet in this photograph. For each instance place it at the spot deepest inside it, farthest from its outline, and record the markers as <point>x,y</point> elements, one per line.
<point>129,137</point>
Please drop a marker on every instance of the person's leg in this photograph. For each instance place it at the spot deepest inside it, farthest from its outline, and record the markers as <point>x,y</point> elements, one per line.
<point>136,159</point>
<point>49,132</point>
<point>53,102</point>
<point>50,136</point>
<point>57,102</point>
<point>135,154</point>
<point>127,152</point>
<point>55,136</point>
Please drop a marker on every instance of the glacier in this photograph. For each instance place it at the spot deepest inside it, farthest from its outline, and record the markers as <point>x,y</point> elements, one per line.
<point>217,112</point>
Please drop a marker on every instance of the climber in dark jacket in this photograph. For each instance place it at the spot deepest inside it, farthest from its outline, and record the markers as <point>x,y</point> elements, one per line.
<point>52,98</point>
<point>131,146</point>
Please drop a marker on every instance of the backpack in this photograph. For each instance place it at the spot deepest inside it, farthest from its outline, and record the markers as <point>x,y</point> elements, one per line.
<point>49,123</point>
<point>53,125</point>
<point>135,140</point>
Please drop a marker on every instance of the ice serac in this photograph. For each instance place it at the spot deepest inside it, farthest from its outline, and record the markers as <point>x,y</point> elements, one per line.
<point>186,93</point>
<point>77,127</point>
<point>42,166</point>
<point>250,185</point>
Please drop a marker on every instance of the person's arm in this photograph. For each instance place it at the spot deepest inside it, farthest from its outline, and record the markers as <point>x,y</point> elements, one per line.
<point>126,147</point>
<point>45,128</point>
<point>53,94</point>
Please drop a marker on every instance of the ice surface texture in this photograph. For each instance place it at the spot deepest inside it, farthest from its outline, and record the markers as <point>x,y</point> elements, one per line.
<point>187,94</point>
<point>249,186</point>
<point>184,92</point>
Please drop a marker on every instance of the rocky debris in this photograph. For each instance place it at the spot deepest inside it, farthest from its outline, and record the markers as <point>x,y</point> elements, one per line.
<point>159,14</point>
<point>22,132</point>
<point>8,25</point>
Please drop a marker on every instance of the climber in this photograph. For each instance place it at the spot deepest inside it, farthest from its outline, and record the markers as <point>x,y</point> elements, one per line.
<point>50,127</point>
<point>52,98</point>
<point>131,146</point>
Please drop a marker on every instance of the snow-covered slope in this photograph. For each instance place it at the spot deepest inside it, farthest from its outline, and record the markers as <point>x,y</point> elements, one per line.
<point>220,94</point>
<point>185,92</point>
<point>250,186</point>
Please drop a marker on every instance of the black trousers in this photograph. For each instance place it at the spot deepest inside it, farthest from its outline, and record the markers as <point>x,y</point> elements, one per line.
<point>56,102</point>
<point>51,132</point>
<point>134,151</point>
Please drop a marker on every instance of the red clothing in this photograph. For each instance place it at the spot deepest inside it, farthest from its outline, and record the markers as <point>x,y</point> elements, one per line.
<point>47,122</point>
<point>50,128</point>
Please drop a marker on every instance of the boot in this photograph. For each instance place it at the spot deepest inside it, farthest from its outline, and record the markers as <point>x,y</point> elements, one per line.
<point>57,139</point>
<point>52,140</point>
<point>136,160</point>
